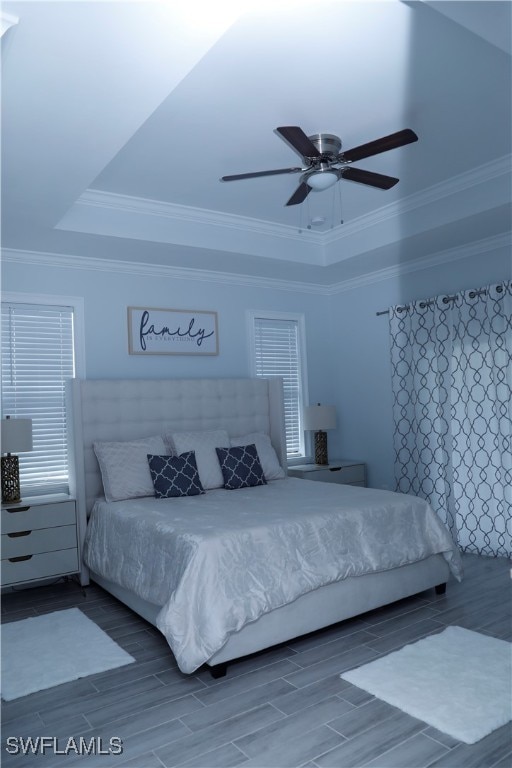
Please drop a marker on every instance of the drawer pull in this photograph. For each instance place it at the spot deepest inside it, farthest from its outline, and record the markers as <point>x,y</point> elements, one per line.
<point>18,509</point>
<point>334,469</point>
<point>20,558</point>
<point>19,533</point>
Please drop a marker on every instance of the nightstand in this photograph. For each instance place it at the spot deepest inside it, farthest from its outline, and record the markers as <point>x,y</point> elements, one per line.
<point>39,539</point>
<point>341,471</point>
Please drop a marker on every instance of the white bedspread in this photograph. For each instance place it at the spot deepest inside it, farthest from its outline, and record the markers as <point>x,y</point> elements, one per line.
<point>218,561</point>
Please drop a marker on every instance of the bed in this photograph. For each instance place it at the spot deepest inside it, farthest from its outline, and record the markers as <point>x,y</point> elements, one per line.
<point>226,573</point>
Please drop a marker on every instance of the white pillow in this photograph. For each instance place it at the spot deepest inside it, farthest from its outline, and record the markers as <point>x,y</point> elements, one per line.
<point>204,445</point>
<point>125,469</point>
<point>268,457</point>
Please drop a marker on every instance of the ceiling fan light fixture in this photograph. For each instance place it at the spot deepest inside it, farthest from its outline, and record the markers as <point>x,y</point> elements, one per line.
<point>320,179</point>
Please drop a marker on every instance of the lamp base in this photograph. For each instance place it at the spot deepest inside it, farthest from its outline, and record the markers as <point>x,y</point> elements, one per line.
<point>10,479</point>
<point>321,447</point>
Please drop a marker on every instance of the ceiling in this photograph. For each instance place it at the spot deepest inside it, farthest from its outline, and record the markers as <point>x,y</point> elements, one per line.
<point>119,118</point>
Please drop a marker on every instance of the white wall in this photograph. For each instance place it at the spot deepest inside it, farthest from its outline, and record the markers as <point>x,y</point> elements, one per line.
<point>107,294</point>
<point>362,358</point>
<point>346,344</point>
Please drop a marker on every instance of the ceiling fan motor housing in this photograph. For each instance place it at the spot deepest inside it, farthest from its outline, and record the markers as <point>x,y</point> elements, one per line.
<point>327,144</point>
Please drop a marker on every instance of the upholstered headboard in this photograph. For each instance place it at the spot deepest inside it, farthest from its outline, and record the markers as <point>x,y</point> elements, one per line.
<point>126,409</point>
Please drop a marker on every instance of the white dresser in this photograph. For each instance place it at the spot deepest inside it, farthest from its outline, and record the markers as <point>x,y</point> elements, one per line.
<point>39,540</point>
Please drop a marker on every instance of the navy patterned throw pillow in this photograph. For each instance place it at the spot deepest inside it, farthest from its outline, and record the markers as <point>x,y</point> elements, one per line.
<point>175,475</point>
<point>241,467</point>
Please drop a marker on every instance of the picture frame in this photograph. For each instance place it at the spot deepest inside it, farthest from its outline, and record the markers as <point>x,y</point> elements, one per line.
<point>160,331</point>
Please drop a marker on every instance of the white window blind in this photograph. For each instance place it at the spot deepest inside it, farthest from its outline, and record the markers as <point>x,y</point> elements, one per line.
<point>37,358</point>
<point>277,353</point>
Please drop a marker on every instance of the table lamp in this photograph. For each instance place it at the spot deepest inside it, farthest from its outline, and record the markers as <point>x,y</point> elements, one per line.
<point>318,418</point>
<point>16,437</point>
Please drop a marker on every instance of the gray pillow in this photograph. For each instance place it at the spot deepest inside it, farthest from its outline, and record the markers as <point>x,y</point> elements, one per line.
<point>125,469</point>
<point>203,443</point>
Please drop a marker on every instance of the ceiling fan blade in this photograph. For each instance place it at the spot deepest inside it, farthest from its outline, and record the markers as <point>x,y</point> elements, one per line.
<point>298,140</point>
<point>261,173</point>
<point>384,144</point>
<point>300,194</point>
<point>368,177</point>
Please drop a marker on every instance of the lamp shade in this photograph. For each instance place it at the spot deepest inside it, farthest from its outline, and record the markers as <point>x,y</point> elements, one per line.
<point>16,435</point>
<point>319,417</point>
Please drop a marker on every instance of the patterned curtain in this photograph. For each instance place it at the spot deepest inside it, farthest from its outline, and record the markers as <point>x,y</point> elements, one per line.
<point>451,362</point>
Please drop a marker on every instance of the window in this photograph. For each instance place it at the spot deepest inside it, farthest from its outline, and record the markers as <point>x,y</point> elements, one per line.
<point>278,350</point>
<point>38,356</point>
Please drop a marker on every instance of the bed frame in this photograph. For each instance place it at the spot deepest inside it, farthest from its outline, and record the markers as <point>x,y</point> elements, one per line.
<point>135,408</point>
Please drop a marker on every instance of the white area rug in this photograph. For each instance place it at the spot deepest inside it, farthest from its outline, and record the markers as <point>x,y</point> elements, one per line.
<point>458,681</point>
<point>43,651</point>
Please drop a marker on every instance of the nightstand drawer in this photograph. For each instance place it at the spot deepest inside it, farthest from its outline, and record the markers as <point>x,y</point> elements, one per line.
<point>30,518</point>
<point>40,566</point>
<point>342,471</point>
<point>38,541</point>
<point>347,475</point>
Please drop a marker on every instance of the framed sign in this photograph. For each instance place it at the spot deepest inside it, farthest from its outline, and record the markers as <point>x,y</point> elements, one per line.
<point>154,331</point>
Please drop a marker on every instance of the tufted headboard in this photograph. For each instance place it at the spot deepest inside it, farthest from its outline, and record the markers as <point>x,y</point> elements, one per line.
<point>126,409</point>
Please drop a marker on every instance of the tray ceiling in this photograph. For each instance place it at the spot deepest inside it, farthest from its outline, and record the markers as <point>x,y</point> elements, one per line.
<point>119,118</point>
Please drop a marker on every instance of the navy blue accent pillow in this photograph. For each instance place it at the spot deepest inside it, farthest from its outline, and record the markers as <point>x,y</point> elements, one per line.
<point>241,467</point>
<point>175,475</point>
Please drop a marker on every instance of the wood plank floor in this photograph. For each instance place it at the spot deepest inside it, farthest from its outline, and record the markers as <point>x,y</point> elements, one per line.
<point>284,707</point>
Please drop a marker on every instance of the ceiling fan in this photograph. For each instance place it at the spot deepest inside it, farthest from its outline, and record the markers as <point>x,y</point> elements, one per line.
<point>325,164</point>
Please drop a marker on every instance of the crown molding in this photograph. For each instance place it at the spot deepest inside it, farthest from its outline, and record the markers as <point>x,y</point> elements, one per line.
<point>7,20</point>
<point>139,269</point>
<point>128,204</point>
<point>486,245</point>
<point>60,261</point>
<point>455,185</point>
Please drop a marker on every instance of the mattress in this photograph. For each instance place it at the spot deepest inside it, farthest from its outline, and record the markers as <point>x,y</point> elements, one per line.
<point>219,561</point>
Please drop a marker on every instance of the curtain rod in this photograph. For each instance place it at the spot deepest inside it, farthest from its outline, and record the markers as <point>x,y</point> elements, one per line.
<point>423,304</point>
